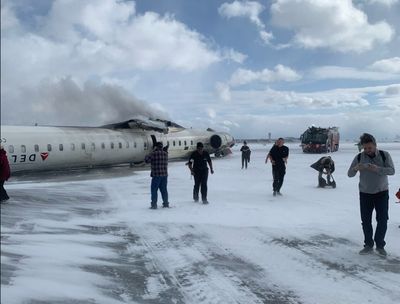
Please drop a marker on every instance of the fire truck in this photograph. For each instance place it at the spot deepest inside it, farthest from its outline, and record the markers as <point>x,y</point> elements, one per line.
<point>320,140</point>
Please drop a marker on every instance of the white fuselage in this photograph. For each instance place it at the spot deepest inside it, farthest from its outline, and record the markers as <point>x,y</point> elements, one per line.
<point>39,148</point>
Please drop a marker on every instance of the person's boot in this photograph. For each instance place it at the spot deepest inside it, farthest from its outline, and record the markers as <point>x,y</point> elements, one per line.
<point>381,251</point>
<point>322,182</point>
<point>366,250</point>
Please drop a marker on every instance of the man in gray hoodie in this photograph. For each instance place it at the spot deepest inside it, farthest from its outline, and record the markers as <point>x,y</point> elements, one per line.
<point>374,166</point>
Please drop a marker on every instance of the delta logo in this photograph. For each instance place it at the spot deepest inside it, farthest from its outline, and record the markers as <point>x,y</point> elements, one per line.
<point>44,155</point>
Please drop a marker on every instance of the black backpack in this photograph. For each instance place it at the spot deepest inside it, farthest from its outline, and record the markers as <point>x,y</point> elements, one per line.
<point>382,153</point>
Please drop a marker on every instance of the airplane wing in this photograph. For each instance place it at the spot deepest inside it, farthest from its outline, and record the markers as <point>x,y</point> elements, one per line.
<point>138,123</point>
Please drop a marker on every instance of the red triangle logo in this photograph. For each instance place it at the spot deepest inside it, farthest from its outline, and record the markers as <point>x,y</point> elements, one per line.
<point>44,155</point>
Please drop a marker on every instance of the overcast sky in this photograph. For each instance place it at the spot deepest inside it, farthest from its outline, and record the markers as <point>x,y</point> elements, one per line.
<point>247,67</point>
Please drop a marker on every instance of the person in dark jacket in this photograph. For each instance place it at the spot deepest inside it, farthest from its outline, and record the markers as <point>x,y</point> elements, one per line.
<point>245,154</point>
<point>198,167</point>
<point>278,155</point>
<point>325,165</point>
<point>374,167</point>
<point>159,174</point>
<point>4,174</point>
<point>398,197</point>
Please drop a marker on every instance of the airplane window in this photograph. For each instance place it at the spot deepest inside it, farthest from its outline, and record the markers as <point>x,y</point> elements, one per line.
<point>72,147</point>
<point>112,145</point>
<point>134,144</point>
<point>49,147</point>
<point>145,145</point>
<point>168,143</point>
<point>120,145</point>
<point>23,149</point>
<point>36,148</point>
<point>93,146</point>
<point>11,149</point>
<point>185,143</point>
<point>103,146</point>
<point>173,143</point>
<point>60,147</point>
<point>180,143</point>
<point>191,142</point>
<point>83,146</point>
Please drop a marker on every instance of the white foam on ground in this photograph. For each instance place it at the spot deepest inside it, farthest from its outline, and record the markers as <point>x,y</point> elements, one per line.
<point>243,220</point>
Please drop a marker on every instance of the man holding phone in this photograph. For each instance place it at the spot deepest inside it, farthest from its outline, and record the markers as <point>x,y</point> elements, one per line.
<point>374,166</point>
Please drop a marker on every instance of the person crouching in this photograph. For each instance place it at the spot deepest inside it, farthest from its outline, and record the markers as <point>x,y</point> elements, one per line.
<point>325,166</point>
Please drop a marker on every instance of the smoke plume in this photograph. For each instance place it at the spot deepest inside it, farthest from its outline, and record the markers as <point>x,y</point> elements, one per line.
<point>66,103</point>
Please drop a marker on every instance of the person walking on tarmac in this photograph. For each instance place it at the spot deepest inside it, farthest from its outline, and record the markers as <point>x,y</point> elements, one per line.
<point>245,154</point>
<point>374,166</point>
<point>4,174</point>
<point>198,167</point>
<point>278,155</point>
<point>325,165</point>
<point>159,174</point>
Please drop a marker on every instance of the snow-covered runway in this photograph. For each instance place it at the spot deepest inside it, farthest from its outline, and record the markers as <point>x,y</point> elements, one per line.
<point>92,238</point>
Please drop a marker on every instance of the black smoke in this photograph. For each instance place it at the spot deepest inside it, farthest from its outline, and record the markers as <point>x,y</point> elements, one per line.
<point>66,103</point>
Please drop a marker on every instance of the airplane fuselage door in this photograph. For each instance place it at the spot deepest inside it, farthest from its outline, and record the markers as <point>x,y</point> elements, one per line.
<point>88,152</point>
<point>147,144</point>
<point>154,140</point>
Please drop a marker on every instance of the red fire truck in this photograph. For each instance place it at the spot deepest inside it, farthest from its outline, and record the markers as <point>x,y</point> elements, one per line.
<point>320,140</point>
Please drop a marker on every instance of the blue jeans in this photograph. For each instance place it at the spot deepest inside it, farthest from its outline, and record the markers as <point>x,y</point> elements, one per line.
<point>380,202</point>
<point>159,182</point>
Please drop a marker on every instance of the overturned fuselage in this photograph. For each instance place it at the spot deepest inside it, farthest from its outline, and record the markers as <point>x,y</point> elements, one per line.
<point>37,148</point>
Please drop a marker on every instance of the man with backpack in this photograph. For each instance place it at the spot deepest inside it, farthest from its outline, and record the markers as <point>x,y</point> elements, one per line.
<point>374,166</point>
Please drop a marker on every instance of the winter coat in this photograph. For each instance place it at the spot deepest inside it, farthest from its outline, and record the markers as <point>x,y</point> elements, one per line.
<point>324,163</point>
<point>373,181</point>
<point>4,166</point>
<point>245,152</point>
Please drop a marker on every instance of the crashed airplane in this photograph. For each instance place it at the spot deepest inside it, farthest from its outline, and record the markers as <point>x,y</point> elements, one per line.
<point>41,148</point>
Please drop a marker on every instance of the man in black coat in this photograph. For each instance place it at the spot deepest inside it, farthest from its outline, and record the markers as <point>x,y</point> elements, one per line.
<point>278,155</point>
<point>245,154</point>
<point>198,167</point>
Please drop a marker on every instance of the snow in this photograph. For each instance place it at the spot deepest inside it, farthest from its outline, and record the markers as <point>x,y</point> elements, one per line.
<point>93,239</point>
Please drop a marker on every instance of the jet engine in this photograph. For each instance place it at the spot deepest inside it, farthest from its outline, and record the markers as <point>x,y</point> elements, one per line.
<point>215,141</point>
<point>220,144</point>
